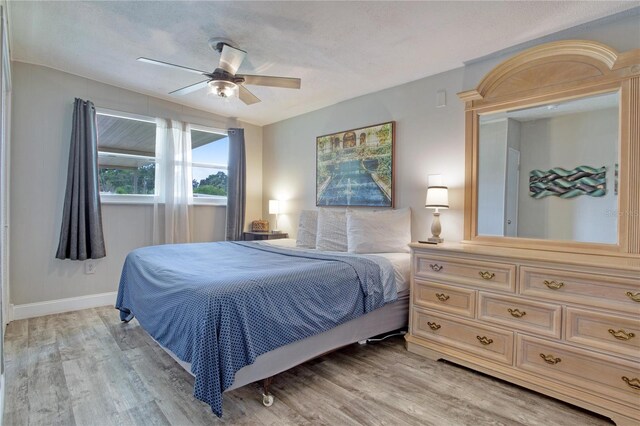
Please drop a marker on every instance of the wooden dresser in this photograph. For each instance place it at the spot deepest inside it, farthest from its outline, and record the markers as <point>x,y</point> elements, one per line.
<point>566,325</point>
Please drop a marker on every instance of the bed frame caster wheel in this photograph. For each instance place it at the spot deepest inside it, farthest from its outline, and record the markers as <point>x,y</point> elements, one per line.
<point>267,400</point>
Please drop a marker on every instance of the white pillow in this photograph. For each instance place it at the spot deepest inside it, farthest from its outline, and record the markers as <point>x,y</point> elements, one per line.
<point>307,229</point>
<point>383,231</point>
<point>332,230</point>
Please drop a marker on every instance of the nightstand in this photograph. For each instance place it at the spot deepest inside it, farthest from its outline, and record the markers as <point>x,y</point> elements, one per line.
<point>251,236</point>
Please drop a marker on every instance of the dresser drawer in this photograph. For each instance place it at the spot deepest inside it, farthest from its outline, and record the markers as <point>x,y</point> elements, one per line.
<point>591,289</point>
<point>486,342</point>
<point>525,315</point>
<point>604,375</point>
<point>500,276</point>
<point>611,333</point>
<point>455,300</point>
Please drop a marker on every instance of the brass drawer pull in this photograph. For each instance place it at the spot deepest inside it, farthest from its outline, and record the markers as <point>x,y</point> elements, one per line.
<point>433,326</point>
<point>621,334</point>
<point>516,313</point>
<point>484,340</point>
<point>553,285</point>
<point>442,297</point>
<point>436,267</point>
<point>550,359</point>
<point>633,296</point>
<point>633,383</point>
<point>486,275</point>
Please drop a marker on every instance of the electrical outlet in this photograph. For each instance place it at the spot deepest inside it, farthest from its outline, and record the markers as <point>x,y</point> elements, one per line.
<point>90,266</point>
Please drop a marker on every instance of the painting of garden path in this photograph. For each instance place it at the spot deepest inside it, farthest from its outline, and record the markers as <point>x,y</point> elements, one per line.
<point>355,167</point>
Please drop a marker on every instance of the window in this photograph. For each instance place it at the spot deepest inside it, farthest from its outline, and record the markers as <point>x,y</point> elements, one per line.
<point>126,155</point>
<point>126,159</point>
<point>210,156</point>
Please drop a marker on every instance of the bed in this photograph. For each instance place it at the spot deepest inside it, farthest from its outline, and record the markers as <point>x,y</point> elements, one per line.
<point>233,313</point>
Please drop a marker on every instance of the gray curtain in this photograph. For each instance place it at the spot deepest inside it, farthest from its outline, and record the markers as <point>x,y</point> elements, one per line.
<point>236,184</point>
<point>81,231</point>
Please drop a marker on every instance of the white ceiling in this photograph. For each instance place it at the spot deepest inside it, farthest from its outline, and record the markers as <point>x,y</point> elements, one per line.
<point>340,50</point>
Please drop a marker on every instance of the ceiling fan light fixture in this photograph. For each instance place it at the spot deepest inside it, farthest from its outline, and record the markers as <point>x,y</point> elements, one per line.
<point>223,88</point>
<point>224,81</point>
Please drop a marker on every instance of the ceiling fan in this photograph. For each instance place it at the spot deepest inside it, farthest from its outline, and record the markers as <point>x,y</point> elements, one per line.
<point>223,80</point>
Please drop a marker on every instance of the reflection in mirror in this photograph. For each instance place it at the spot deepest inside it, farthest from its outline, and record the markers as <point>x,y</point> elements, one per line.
<point>550,172</point>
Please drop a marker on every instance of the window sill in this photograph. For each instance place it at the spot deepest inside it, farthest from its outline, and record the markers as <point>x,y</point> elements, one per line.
<point>221,202</point>
<point>148,200</point>
<point>126,199</point>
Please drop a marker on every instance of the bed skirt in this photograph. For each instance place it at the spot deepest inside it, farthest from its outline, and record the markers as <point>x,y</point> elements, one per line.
<point>390,317</point>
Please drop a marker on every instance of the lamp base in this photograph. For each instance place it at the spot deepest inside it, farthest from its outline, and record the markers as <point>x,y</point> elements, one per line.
<point>435,229</point>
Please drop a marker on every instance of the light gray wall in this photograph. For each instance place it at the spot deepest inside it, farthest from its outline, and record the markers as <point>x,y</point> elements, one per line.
<point>568,141</point>
<point>429,140</point>
<point>496,137</point>
<point>41,130</point>
<point>513,134</point>
<point>492,172</point>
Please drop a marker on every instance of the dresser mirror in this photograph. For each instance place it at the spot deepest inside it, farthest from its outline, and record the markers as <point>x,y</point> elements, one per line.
<point>550,172</point>
<point>553,151</point>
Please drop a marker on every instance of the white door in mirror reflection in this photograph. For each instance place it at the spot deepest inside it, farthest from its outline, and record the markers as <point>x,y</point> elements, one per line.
<point>511,202</point>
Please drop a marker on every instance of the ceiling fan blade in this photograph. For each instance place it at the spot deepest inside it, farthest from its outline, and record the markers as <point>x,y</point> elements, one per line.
<point>246,96</point>
<point>231,58</point>
<point>265,80</point>
<point>167,64</point>
<point>190,88</point>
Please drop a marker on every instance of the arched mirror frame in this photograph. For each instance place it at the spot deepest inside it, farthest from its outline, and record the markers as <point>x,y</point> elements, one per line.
<point>555,72</point>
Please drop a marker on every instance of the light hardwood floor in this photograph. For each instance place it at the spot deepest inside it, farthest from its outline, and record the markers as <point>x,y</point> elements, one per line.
<point>88,368</point>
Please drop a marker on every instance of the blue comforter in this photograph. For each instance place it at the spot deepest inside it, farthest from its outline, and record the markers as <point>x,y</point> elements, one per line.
<point>221,305</point>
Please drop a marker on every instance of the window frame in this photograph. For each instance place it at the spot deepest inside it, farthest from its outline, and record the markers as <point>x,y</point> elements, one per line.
<point>149,198</point>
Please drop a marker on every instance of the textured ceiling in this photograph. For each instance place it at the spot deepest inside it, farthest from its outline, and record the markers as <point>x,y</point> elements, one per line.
<point>340,50</point>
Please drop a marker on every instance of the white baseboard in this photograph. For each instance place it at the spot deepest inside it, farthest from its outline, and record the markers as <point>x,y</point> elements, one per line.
<point>1,398</point>
<point>38,309</point>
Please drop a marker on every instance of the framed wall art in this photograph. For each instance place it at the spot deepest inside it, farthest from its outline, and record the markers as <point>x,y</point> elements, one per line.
<point>559,182</point>
<point>355,167</point>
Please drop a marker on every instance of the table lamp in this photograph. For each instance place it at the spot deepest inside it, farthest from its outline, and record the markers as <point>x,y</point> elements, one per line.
<point>437,198</point>
<point>274,208</point>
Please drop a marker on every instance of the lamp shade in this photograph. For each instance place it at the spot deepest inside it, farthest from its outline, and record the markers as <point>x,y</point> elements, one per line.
<point>437,197</point>
<point>274,206</point>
